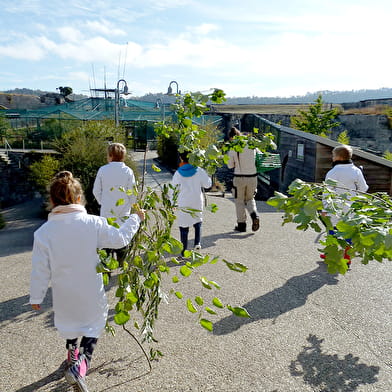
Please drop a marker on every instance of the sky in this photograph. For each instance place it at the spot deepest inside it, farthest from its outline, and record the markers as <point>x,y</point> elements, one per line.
<point>247,48</point>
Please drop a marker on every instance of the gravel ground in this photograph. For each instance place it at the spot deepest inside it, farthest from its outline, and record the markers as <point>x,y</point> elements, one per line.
<point>308,331</point>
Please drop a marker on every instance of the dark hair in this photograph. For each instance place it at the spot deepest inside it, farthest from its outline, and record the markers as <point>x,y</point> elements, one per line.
<point>65,189</point>
<point>234,132</point>
<point>184,156</point>
<point>117,152</point>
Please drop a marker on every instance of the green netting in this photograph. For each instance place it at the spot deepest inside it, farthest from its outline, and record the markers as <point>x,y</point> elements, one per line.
<point>267,162</point>
<point>103,108</point>
<point>96,109</point>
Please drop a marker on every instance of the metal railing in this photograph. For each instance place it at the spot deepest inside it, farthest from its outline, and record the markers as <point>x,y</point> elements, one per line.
<point>7,146</point>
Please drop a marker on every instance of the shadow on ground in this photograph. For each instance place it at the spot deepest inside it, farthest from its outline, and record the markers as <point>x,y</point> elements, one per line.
<point>328,373</point>
<point>293,294</point>
<point>112,370</point>
<point>17,310</point>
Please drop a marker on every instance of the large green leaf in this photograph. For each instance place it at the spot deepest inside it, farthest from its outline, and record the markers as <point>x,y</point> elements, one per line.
<point>216,301</point>
<point>190,306</point>
<point>121,318</point>
<point>239,311</point>
<point>185,271</point>
<point>206,324</point>
<point>237,267</point>
<point>120,202</point>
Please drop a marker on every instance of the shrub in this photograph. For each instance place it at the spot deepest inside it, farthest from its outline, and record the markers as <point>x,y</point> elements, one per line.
<point>387,155</point>
<point>343,138</point>
<point>41,172</point>
<point>83,151</point>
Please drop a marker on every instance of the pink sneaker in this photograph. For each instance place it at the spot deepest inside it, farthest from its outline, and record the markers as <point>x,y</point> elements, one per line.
<point>76,374</point>
<point>72,356</point>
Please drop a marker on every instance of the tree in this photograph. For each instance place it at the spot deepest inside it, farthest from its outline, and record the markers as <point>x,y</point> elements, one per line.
<point>343,138</point>
<point>387,155</point>
<point>64,91</point>
<point>316,120</point>
<point>367,221</point>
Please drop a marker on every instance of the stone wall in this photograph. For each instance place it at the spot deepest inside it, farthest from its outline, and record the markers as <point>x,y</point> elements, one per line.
<point>15,186</point>
<point>369,132</point>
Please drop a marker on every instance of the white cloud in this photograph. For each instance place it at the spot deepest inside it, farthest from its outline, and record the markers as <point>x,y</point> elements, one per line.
<point>78,75</point>
<point>97,50</point>
<point>34,48</point>
<point>104,27</point>
<point>204,28</point>
<point>204,53</point>
<point>70,34</point>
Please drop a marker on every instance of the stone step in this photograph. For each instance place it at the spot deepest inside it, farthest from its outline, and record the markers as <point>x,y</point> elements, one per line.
<point>4,157</point>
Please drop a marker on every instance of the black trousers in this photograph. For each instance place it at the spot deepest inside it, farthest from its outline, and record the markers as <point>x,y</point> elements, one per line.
<point>87,345</point>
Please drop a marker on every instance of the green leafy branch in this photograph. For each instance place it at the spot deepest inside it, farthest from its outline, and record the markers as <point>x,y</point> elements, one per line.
<point>139,282</point>
<point>365,220</point>
<point>263,142</point>
<point>188,134</point>
<point>198,304</point>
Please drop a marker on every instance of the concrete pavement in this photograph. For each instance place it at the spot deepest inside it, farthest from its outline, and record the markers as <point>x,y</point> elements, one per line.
<point>309,331</point>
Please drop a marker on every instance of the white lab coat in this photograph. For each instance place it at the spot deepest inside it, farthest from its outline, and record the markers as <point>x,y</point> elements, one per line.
<point>190,196</point>
<point>349,176</point>
<point>109,179</point>
<point>65,253</point>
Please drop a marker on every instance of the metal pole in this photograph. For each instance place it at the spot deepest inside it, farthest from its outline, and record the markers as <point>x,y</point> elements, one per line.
<point>116,104</point>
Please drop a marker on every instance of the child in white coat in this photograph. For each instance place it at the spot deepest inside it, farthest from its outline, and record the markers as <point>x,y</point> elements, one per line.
<point>111,179</point>
<point>65,254</point>
<point>190,180</point>
<point>350,179</point>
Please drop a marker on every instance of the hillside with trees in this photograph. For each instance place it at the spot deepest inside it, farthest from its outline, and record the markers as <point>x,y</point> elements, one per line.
<point>328,96</point>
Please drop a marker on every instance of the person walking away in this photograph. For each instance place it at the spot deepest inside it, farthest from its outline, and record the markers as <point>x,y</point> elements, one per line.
<point>190,181</point>
<point>65,254</point>
<point>110,179</point>
<point>244,184</point>
<point>350,179</point>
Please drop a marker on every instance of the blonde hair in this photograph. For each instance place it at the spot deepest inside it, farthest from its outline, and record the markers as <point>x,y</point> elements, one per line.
<point>342,152</point>
<point>65,189</point>
<point>117,152</point>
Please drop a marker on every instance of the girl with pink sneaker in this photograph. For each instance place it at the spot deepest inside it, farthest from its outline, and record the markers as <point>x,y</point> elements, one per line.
<point>65,254</point>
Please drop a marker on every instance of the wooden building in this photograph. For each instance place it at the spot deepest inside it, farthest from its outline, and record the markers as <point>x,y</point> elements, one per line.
<point>309,157</point>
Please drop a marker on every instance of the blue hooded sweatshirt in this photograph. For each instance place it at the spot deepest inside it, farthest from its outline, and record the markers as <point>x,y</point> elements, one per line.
<point>187,170</point>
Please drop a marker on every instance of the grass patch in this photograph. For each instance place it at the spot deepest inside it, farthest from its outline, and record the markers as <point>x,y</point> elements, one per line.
<point>371,110</point>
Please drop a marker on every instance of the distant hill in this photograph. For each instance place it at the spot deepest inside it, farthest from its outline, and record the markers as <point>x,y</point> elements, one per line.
<point>28,91</point>
<point>328,97</point>
<point>337,97</point>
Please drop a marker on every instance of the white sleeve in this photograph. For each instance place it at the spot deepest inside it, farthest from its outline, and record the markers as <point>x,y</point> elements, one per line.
<point>130,185</point>
<point>112,237</point>
<point>361,183</point>
<point>97,188</point>
<point>205,179</point>
<point>40,272</point>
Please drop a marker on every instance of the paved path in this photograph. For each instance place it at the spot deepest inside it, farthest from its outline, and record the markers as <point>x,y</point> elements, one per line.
<point>309,331</point>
